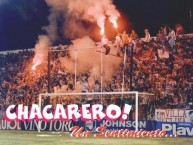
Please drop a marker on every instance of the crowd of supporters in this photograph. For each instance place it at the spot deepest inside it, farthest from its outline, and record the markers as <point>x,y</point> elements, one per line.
<point>170,79</point>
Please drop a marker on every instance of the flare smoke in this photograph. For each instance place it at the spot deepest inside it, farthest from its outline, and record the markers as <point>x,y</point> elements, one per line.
<point>41,50</point>
<point>76,11</point>
<point>88,60</point>
<point>3,2</point>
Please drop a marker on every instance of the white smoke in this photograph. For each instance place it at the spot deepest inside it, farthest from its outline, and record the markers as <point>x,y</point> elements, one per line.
<point>3,2</point>
<point>76,11</point>
<point>52,28</point>
<point>89,60</point>
<point>41,50</point>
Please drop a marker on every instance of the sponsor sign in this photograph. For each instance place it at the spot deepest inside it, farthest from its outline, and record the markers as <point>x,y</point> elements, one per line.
<point>123,124</point>
<point>115,125</point>
<point>48,126</point>
<point>5,125</point>
<point>178,128</point>
<point>173,115</point>
<point>33,125</point>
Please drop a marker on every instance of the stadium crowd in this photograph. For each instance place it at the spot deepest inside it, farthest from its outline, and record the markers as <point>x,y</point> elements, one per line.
<point>170,79</point>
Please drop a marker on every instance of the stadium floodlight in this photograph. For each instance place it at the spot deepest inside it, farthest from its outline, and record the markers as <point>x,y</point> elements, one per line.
<point>104,95</point>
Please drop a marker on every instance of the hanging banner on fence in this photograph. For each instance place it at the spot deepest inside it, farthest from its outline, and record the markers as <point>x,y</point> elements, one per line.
<point>179,128</point>
<point>173,115</point>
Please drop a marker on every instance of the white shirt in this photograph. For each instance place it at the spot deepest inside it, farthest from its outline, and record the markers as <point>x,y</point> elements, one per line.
<point>147,37</point>
<point>172,34</point>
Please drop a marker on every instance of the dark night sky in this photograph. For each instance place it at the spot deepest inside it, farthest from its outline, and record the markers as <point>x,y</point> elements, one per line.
<point>21,21</point>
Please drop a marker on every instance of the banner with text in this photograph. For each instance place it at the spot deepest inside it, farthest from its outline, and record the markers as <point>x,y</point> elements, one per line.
<point>179,128</point>
<point>117,125</point>
<point>174,115</point>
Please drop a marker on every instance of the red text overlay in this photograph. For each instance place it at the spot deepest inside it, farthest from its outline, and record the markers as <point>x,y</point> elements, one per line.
<point>102,131</point>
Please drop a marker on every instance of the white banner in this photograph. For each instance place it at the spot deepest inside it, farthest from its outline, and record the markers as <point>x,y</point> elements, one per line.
<point>174,115</point>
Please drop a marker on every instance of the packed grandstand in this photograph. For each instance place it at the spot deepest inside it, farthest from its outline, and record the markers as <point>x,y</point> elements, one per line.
<point>161,70</point>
